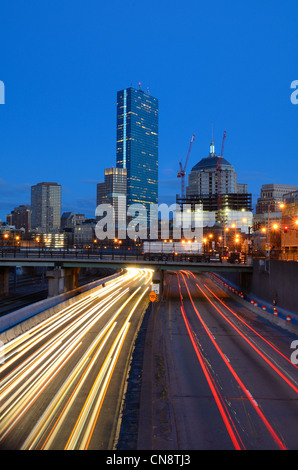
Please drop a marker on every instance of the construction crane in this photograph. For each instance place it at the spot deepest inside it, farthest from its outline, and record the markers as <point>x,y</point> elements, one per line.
<point>218,171</point>
<point>182,172</point>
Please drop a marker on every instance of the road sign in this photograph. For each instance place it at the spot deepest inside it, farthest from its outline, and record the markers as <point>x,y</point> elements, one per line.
<point>152,296</point>
<point>155,288</point>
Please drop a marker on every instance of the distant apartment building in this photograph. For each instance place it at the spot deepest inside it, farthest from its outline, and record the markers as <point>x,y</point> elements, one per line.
<point>272,196</point>
<point>46,207</point>
<point>20,218</point>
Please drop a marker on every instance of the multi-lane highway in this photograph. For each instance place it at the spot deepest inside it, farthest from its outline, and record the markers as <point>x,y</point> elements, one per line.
<point>62,381</point>
<point>221,375</point>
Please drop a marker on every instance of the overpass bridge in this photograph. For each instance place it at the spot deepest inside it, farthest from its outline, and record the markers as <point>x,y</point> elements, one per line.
<point>63,266</point>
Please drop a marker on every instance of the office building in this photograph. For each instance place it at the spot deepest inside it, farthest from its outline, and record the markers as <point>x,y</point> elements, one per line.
<point>113,188</point>
<point>137,145</point>
<point>46,207</point>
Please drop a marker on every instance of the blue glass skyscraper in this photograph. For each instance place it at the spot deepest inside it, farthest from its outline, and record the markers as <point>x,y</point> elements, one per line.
<point>137,145</point>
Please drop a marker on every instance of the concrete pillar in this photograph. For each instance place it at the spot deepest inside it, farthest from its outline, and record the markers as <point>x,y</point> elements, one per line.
<point>4,281</point>
<point>62,280</point>
<point>71,279</point>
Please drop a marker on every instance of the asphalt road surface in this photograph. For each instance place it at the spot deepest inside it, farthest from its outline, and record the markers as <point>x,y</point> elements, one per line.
<point>216,375</point>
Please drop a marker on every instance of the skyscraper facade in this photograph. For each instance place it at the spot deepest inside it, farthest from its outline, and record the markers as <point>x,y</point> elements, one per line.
<point>46,207</point>
<point>137,145</point>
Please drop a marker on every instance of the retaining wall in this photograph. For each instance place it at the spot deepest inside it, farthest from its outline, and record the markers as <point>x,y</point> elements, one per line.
<point>271,280</point>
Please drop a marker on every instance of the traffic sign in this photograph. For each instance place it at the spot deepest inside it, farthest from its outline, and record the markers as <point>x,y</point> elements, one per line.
<point>152,296</point>
<point>155,288</point>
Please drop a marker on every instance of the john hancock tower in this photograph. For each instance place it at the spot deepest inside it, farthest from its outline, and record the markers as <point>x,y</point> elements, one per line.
<point>137,145</point>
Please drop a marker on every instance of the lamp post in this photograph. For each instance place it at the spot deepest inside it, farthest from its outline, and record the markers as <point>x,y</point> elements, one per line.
<point>204,243</point>
<point>225,237</point>
<point>210,239</point>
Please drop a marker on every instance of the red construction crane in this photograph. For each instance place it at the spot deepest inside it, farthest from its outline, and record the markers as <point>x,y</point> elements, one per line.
<point>181,174</point>
<point>218,170</point>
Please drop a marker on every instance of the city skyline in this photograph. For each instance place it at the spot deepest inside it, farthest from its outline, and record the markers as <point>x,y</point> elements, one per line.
<point>58,122</point>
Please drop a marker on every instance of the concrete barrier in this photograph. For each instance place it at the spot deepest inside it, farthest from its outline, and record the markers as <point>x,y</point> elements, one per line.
<point>15,323</point>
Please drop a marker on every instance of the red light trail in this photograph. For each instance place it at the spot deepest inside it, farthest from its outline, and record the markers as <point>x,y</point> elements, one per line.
<point>233,372</point>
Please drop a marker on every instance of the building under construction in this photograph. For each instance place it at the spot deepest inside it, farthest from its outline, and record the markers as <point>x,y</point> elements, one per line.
<point>232,201</point>
<point>213,183</point>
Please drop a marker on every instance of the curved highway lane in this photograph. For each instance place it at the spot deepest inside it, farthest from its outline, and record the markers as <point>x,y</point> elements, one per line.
<point>62,381</point>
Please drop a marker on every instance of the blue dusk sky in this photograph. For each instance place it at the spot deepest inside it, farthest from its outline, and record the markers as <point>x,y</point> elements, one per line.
<point>228,63</point>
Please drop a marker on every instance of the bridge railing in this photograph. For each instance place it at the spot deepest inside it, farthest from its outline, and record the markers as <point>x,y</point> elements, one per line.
<point>108,254</point>
<point>67,253</point>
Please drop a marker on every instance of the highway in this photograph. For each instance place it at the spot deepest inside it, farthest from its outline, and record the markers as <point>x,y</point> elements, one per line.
<point>216,376</point>
<point>221,376</point>
<point>62,381</point>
